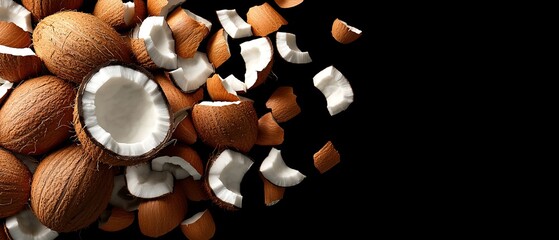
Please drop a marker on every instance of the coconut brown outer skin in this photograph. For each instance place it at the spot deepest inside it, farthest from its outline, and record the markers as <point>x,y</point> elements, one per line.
<point>37,114</point>
<point>342,33</point>
<point>264,19</point>
<point>42,8</point>
<point>15,185</point>
<point>17,68</point>
<point>71,44</point>
<point>187,32</point>
<point>70,190</point>
<point>112,12</point>
<point>230,126</point>
<point>159,216</point>
<point>13,36</point>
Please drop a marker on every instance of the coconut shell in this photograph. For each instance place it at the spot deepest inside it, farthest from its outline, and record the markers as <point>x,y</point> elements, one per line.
<point>3,233</point>
<point>70,190</point>
<point>42,8</point>
<point>141,55</point>
<point>228,126</point>
<point>270,133</point>
<point>217,91</point>
<point>218,48</point>
<point>344,33</point>
<point>178,100</point>
<point>13,36</point>
<point>37,115</point>
<point>283,103</point>
<point>187,32</point>
<point>288,3</point>
<point>159,216</point>
<point>16,68</point>
<point>264,19</point>
<point>185,152</point>
<point>326,157</point>
<point>193,189</point>
<point>185,131</point>
<point>15,184</point>
<point>161,7</point>
<point>72,44</point>
<point>202,228</point>
<point>272,193</point>
<point>112,12</point>
<point>117,220</point>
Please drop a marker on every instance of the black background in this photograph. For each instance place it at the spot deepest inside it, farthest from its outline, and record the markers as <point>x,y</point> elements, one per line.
<point>353,197</point>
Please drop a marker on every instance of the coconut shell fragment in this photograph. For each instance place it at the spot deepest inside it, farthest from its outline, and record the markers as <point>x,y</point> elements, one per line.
<point>283,103</point>
<point>42,8</point>
<point>270,133</point>
<point>218,48</point>
<point>117,219</point>
<point>344,33</point>
<point>200,226</point>
<point>159,216</point>
<point>120,15</point>
<point>326,157</point>
<point>17,64</point>
<point>13,36</point>
<point>264,19</point>
<point>187,32</point>
<point>15,184</point>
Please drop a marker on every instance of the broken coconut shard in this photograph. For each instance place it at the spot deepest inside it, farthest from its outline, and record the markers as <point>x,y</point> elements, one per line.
<point>13,36</point>
<point>17,64</point>
<point>277,172</point>
<point>286,45</point>
<point>258,56</point>
<point>10,11</point>
<point>159,42</point>
<point>233,24</point>
<point>344,33</point>
<point>25,225</point>
<point>335,87</point>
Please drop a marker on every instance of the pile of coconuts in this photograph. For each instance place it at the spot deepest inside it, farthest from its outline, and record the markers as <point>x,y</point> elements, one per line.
<point>114,112</point>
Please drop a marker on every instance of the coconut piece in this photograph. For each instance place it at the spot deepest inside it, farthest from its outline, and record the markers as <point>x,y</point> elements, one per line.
<point>120,15</point>
<point>180,160</point>
<point>193,189</point>
<point>141,55</point>
<point>335,87</point>
<point>25,225</point>
<point>326,157</point>
<point>226,124</point>
<point>11,11</point>
<point>159,41</point>
<point>144,183</point>
<point>345,33</point>
<point>159,216</point>
<point>18,64</point>
<point>187,32</point>
<point>43,8</point>
<point>36,117</point>
<point>178,100</point>
<point>70,190</point>
<point>288,3</point>
<point>200,226</point>
<point>270,133</point>
<point>233,24</point>
<point>286,44</point>
<point>283,103</point>
<point>272,193</point>
<point>121,115</point>
<point>121,197</point>
<point>185,131</point>
<point>264,19</point>
<point>13,36</point>
<point>15,185</point>
<point>225,172</point>
<point>218,48</point>
<point>200,19</point>
<point>219,89</point>
<point>192,73</point>
<point>162,7</point>
<point>236,84</point>
<point>5,89</point>
<point>274,169</point>
<point>116,219</point>
<point>258,55</point>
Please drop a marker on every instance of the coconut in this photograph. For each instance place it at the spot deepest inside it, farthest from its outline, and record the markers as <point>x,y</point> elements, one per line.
<point>13,36</point>
<point>119,14</point>
<point>264,19</point>
<point>159,216</point>
<point>17,64</point>
<point>15,184</point>
<point>187,32</point>
<point>258,55</point>
<point>71,44</point>
<point>286,44</point>
<point>70,190</point>
<point>11,11</point>
<point>336,89</point>
<point>218,48</point>
<point>43,8</point>
<point>36,116</point>
<point>345,33</point>
<point>233,24</point>
<point>200,226</point>
<point>25,225</point>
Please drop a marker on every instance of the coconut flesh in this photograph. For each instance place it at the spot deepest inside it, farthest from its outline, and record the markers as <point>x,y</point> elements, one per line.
<point>10,11</point>
<point>225,176</point>
<point>4,87</point>
<point>25,225</point>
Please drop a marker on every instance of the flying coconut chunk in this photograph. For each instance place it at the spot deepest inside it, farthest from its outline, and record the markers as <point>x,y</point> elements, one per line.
<point>181,160</point>
<point>17,64</point>
<point>25,225</point>
<point>144,183</point>
<point>345,33</point>
<point>162,7</point>
<point>264,19</point>
<point>286,44</point>
<point>225,175</point>
<point>13,36</point>
<point>236,84</point>
<point>200,19</point>
<point>192,72</point>
<point>288,3</point>
<point>233,24</point>
<point>277,172</point>
<point>218,48</point>
<point>219,89</point>
<point>11,11</point>
<point>258,56</point>
<point>200,226</point>
<point>121,197</point>
<point>159,41</point>
<point>187,32</point>
<point>335,87</point>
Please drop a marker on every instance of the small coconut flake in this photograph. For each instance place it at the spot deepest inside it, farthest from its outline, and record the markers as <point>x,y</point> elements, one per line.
<point>233,24</point>
<point>25,225</point>
<point>181,160</point>
<point>17,64</point>
<point>144,183</point>
<point>192,73</point>
<point>277,172</point>
<point>264,19</point>
<point>286,45</point>
<point>283,103</point>
<point>200,226</point>
<point>159,41</point>
<point>218,48</point>
<point>225,174</point>
<point>335,87</point>
<point>258,56</point>
<point>344,33</point>
<point>326,158</point>
<point>13,36</point>
<point>162,7</point>
<point>288,3</point>
<point>235,84</point>
<point>270,133</point>
<point>11,11</point>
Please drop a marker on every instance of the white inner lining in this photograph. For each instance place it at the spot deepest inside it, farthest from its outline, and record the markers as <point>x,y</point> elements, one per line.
<point>11,11</point>
<point>159,41</point>
<point>226,174</point>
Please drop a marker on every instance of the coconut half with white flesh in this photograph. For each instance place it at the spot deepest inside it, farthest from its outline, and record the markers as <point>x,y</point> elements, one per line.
<point>144,183</point>
<point>233,24</point>
<point>225,172</point>
<point>258,55</point>
<point>159,41</point>
<point>277,172</point>
<point>192,73</point>
<point>25,225</point>
<point>335,87</point>
<point>121,115</point>
<point>17,64</point>
<point>11,11</point>
<point>121,197</point>
<point>286,43</point>
<point>5,88</point>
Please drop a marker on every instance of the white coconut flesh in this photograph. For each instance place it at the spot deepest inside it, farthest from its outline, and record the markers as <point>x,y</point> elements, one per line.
<point>22,52</point>
<point>351,28</point>
<point>235,84</point>
<point>218,103</point>
<point>257,54</point>
<point>159,41</point>
<point>233,24</point>
<point>5,86</point>
<point>121,197</point>
<point>125,111</point>
<point>10,11</point>
<point>228,86</point>
<point>129,12</point>
<point>286,44</point>
<point>171,4</point>
<point>199,19</point>
<point>177,166</point>
<point>25,225</point>
<point>194,218</point>
<point>335,87</point>
<point>144,183</point>
<point>192,72</point>
<point>225,176</point>
<point>274,169</point>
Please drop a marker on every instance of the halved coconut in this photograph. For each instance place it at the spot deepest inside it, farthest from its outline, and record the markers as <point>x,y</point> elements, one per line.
<point>144,183</point>
<point>200,226</point>
<point>258,55</point>
<point>5,88</point>
<point>219,89</point>
<point>288,3</point>
<point>192,73</point>
<point>121,197</point>
<point>121,115</point>
<point>286,44</point>
<point>326,157</point>
<point>233,24</point>
<point>264,19</point>
<point>25,225</point>
<point>218,48</point>
<point>159,41</point>
<point>119,14</point>
<point>270,133</point>
<point>283,103</point>
<point>116,219</point>
<point>162,7</point>
<point>187,32</point>
<point>14,36</point>
<point>277,172</point>
<point>344,33</point>
<point>159,216</point>
<point>180,160</point>
<point>11,11</point>
<point>335,87</point>
<point>18,64</point>
<point>225,172</point>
